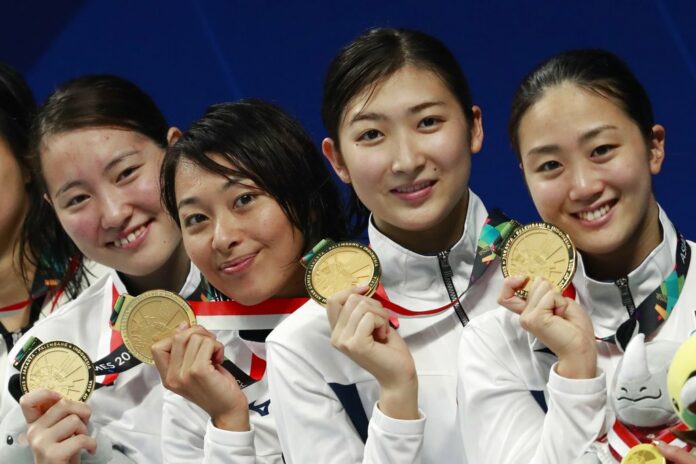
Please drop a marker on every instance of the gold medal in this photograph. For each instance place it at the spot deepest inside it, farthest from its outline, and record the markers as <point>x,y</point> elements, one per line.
<point>150,317</point>
<point>644,453</point>
<point>58,366</point>
<point>539,250</point>
<point>340,266</point>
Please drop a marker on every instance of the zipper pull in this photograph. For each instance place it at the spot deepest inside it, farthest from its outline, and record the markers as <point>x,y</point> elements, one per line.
<point>626,297</point>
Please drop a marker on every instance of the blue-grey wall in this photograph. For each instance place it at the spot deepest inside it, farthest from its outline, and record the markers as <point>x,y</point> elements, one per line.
<point>189,54</point>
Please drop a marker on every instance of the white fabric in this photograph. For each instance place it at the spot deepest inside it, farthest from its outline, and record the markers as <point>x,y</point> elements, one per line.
<point>500,420</point>
<point>95,271</point>
<point>313,424</point>
<point>129,413</point>
<point>188,435</point>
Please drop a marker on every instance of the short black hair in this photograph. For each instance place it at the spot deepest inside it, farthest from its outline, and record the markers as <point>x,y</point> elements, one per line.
<point>264,144</point>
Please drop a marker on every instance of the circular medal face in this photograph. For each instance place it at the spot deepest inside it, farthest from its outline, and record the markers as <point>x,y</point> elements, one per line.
<point>59,366</point>
<point>644,453</point>
<point>539,249</point>
<point>150,317</point>
<point>340,266</point>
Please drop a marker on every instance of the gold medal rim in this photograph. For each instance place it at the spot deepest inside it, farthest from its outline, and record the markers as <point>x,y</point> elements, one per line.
<point>643,446</point>
<point>519,234</point>
<point>372,284</point>
<point>55,344</point>
<point>135,304</point>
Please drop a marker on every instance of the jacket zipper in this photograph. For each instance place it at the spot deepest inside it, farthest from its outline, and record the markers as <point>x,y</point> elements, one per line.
<point>447,274</point>
<point>626,297</point>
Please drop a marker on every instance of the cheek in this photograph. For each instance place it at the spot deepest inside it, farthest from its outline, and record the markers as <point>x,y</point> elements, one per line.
<point>146,192</point>
<point>81,228</point>
<point>196,249</point>
<point>547,197</point>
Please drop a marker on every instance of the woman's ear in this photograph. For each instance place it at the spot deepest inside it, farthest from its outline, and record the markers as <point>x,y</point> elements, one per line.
<point>173,134</point>
<point>331,152</point>
<point>657,148</point>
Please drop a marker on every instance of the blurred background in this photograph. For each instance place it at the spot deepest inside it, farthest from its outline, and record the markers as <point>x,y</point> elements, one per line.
<point>190,54</point>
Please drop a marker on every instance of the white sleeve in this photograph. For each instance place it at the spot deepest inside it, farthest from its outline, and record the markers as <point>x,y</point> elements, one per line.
<point>223,446</point>
<point>314,427</point>
<point>501,422</point>
<point>183,430</point>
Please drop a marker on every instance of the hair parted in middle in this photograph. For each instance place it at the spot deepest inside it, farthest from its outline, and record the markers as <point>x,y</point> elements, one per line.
<point>374,57</point>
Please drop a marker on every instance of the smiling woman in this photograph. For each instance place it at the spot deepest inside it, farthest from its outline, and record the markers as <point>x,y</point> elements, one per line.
<point>583,129</point>
<point>402,130</point>
<point>99,142</point>
<point>252,196</point>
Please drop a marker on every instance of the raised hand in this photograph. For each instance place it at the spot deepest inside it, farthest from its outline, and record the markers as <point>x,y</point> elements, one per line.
<point>558,322</point>
<point>190,364</point>
<point>57,427</point>
<point>360,329</point>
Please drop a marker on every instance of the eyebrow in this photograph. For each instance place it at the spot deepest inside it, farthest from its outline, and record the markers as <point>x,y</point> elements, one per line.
<point>231,182</point>
<point>372,116</point>
<point>76,183</point>
<point>584,138</point>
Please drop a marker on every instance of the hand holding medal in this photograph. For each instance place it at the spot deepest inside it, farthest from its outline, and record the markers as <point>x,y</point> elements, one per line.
<point>343,277</point>
<point>538,262</point>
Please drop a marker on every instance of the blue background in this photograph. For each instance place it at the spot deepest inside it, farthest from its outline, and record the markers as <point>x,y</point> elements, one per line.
<point>189,54</point>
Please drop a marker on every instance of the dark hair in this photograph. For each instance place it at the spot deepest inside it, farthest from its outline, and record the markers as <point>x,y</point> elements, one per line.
<point>38,257</point>
<point>84,102</point>
<point>372,58</point>
<point>595,70</point>
<point>267,146</point>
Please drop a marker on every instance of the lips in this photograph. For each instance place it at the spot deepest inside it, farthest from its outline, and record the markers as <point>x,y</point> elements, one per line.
<point>132,238</point>
<point>238,264</point>
<point>414,192</point>
<point>595,214</point>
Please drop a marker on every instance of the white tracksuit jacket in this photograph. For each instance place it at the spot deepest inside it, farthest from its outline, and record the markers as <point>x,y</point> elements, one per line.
<point>189,436</point>
<point>504,389</point>
<point>128,412</point>
<point>324,403</point>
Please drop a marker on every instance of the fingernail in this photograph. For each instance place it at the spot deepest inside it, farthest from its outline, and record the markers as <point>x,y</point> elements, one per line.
<point>361,288</point>
<point>394,322</point>
<point>181,327</point>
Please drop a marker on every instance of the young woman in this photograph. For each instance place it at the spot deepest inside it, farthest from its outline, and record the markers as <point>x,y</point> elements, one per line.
<point>100,142</point>
<point>402,129</point>
<point>35,258</point>
<point>583,129</point>
<point>251,195</point>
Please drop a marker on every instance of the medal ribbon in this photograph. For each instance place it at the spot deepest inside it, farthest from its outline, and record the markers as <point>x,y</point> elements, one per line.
<point>657,307</point>
<point>496,229</point>
<point>621,438</point>
<point>220,313</point>
<point>44,282</point>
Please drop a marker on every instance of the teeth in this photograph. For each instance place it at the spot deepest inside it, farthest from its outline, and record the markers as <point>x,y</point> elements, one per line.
<point>118,243</point>
<point>594,215</point>
<point>413,188</point>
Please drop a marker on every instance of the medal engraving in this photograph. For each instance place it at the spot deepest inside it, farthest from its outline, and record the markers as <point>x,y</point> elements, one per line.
<point>539,250</point>
<point>150,317</point>
<point>643,454</point>
<point>61,367</point>
<point>341,266</point>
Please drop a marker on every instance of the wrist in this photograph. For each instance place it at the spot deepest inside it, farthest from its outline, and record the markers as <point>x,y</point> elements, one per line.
<point>400,402</point>
<point>578,365</point>
<point>234,421</point>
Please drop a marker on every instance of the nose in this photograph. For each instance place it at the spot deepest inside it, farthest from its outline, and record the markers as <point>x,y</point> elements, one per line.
<point>116,211</point>
<point>408,154</point>
<point>586,184</point>
<point>226,234</point>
